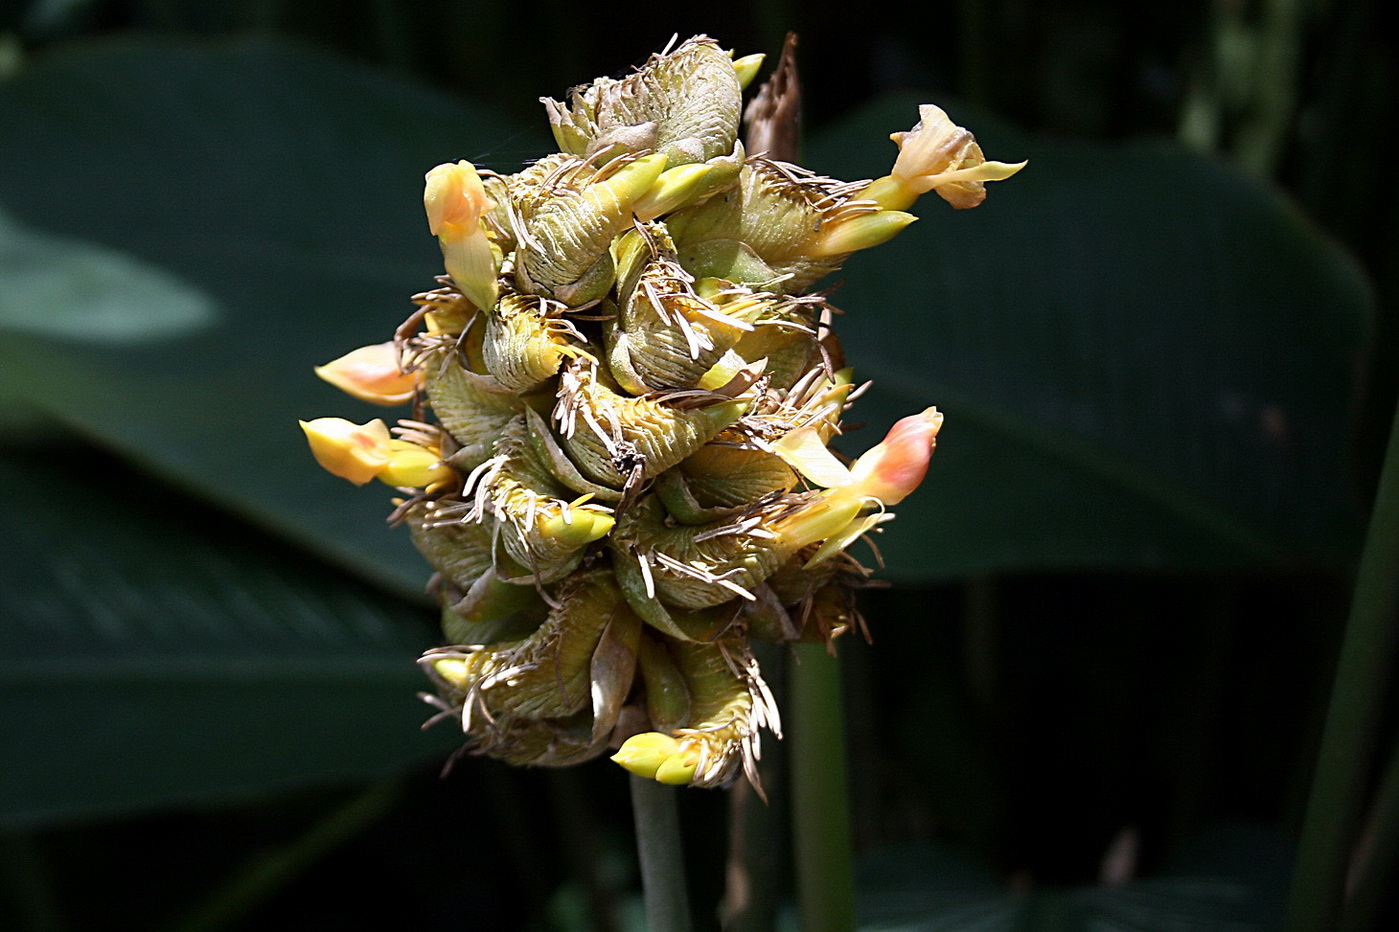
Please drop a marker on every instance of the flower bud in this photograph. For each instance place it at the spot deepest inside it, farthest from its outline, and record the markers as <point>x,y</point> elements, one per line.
<point>577,526</point>
<point>357,452</point>
<point>892,469</point>
<point>747,68</point>
<point>861,232</point>
<point>372,374</point>
<point>454,671</point>
<point>414,466</point>
<point>643,754</point>
<point>454,196</point>
<point>673,188</point>
<point>455,202</point>
<point>679,768</point>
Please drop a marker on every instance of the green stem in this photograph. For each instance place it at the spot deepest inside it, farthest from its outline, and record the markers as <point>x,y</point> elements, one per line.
<point>1377,856</point>
<point>757,862</point>
<point>262,877</point>
<point>662,858</point>
<point>820,806</point>
<point>1346,744</point>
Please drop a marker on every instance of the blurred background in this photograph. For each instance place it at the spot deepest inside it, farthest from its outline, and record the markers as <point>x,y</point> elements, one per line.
<point>1094,692</point>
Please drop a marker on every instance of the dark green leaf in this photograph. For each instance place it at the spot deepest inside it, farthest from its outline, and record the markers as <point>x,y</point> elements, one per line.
<point>153,651</point>
<point>1233,878</point>
<point>276,189</point>
<point>1145,359</point>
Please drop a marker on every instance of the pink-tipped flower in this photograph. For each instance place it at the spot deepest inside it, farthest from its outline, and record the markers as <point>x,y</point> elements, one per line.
<point>886,474</point>
<point>893,468</point>
<point>372,374</point>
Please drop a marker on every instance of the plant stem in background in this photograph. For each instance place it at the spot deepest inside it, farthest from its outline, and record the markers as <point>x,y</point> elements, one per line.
<point>659,850</point>
<point>820,801</point>
<point>756,869</point>
<point>1347,743</point>
<point>1377,854</point>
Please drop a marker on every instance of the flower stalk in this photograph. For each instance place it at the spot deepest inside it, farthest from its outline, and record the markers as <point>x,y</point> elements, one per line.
<point>1347,744</point>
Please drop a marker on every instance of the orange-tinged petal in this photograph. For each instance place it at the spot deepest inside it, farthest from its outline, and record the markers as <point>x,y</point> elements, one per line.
<point>892,469</point>
<point>453,194</point>
<point>372,374</point>
<point>357,452</point>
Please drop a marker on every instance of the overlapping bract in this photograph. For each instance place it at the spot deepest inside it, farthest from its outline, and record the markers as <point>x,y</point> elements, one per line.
<point>625,388</point>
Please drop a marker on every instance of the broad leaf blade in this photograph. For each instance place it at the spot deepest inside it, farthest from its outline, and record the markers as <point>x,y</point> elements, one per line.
<point>284,187</point>
<point>1145,360</point>
<point>155,652</point>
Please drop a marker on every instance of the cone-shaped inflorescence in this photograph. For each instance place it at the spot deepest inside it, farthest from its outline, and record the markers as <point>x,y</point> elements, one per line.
<point>623,392</point>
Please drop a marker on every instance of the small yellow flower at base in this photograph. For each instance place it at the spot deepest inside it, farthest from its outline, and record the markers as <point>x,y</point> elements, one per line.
<point>581,526</point>
<point>678,769</point>
<point>372,374</point>
<point>360,452</point>
<point>643,754</point>
<point>357,452</point>
<point>454,671</point>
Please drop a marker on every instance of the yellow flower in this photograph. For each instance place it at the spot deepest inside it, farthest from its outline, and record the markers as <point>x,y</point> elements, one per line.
<point>357,452</point>
<point>360,452</point>
<point>456,201</point>
<point>658,757</point>
<point>939,155</point>
<point>372,374</point>
<point>454,196</point>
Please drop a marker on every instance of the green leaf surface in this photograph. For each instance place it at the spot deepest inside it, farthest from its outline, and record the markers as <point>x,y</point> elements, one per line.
<point>154,652</point>
<point>274,184</point>
<point>1232,878</point>
<point>1145,360</point>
